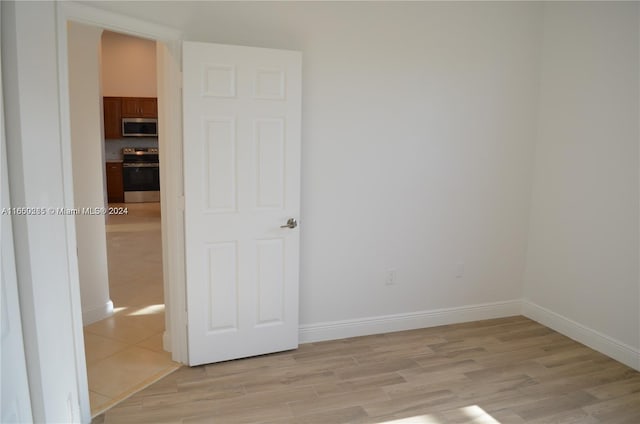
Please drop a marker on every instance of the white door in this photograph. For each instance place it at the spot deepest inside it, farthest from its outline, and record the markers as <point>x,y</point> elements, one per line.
<point>241,109</point>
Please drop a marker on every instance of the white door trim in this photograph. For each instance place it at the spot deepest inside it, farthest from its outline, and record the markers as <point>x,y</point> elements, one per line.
<point>171,160</point>
<point>89,15</point>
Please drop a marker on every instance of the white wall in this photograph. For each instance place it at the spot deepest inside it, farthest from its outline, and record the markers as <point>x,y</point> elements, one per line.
<point>438,103</point>
<point>46,271</point>
<point>419,123</point>
<point>15,403</point>
<point>128,66</point>
<point>583,242</point>
<point>418,130</point>
<point>88,169</point>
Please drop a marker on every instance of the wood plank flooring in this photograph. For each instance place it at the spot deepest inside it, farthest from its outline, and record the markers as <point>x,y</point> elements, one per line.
<point>508,370</point>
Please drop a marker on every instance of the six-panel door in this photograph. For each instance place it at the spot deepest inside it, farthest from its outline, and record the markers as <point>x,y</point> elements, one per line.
<point>242,183</point>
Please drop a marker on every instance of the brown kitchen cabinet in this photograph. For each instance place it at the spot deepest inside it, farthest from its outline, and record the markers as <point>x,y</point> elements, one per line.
<point>116,108</point>
<point>139,107</point>
<point>115,186</point>
<point>112,109</point>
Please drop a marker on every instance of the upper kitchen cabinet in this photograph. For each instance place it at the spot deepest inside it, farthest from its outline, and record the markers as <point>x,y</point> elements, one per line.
<point>112,109</point>
<point>139,107</point>
<point>116,108</point>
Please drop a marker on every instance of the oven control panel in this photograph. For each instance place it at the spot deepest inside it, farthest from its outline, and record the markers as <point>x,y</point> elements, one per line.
<point>138,151</point>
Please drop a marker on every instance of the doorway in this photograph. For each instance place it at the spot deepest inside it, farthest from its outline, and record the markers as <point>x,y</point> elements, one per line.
<point>121,270</point>
<point>171,166</point>
<point>168,42</point>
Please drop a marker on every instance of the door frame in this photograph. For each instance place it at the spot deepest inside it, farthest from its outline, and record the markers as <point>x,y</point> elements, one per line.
<point>168,62</point>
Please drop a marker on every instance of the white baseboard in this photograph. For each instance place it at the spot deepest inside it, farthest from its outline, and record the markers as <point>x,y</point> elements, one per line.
<point>399,322</point>
<point>96,314</point>
<point>609,346</point>
<point>613,348</point>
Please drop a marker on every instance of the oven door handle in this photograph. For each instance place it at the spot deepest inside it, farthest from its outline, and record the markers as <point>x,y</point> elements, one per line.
<point>141,165</point>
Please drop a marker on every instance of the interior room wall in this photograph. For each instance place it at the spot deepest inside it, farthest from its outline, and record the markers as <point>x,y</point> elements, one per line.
<point>15,402</point>
<point>430,102</point>
<point>582,263</point>
<point>88,169</point>
<point>418,131</point>
<point>46,271</point>
<point>128,66</point>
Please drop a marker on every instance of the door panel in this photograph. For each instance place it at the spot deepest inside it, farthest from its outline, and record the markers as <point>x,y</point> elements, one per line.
<point>223,287</point>
<point>220,153</point>
<point>242,183</point>
<point>270,145</point>
<point>270,285</point>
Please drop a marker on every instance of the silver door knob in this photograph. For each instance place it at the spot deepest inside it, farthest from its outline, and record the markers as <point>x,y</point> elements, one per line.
<point>291,223</point>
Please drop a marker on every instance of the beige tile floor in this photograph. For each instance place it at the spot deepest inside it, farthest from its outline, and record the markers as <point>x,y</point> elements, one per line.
<point>124,352</point>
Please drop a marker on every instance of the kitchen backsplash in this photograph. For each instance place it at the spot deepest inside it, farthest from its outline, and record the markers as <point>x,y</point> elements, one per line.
<point>113,147</point>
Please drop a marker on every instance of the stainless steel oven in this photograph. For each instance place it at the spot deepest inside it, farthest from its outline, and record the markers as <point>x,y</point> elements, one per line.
<point>141,174</point>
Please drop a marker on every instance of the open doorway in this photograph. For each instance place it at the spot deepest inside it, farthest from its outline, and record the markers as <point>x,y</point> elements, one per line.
<point>121,270</point>
<point>124,353</point>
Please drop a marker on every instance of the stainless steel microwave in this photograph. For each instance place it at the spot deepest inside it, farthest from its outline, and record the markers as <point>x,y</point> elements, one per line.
<point>139,127</point>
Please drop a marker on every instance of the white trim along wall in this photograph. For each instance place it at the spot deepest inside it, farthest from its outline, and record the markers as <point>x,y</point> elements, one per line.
<point>609,346</point>
<point>616,349</point>
<point>408,321</point>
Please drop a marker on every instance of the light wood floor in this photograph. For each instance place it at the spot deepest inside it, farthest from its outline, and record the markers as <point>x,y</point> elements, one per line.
<point>509,370</point>
<point>124,352</point>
